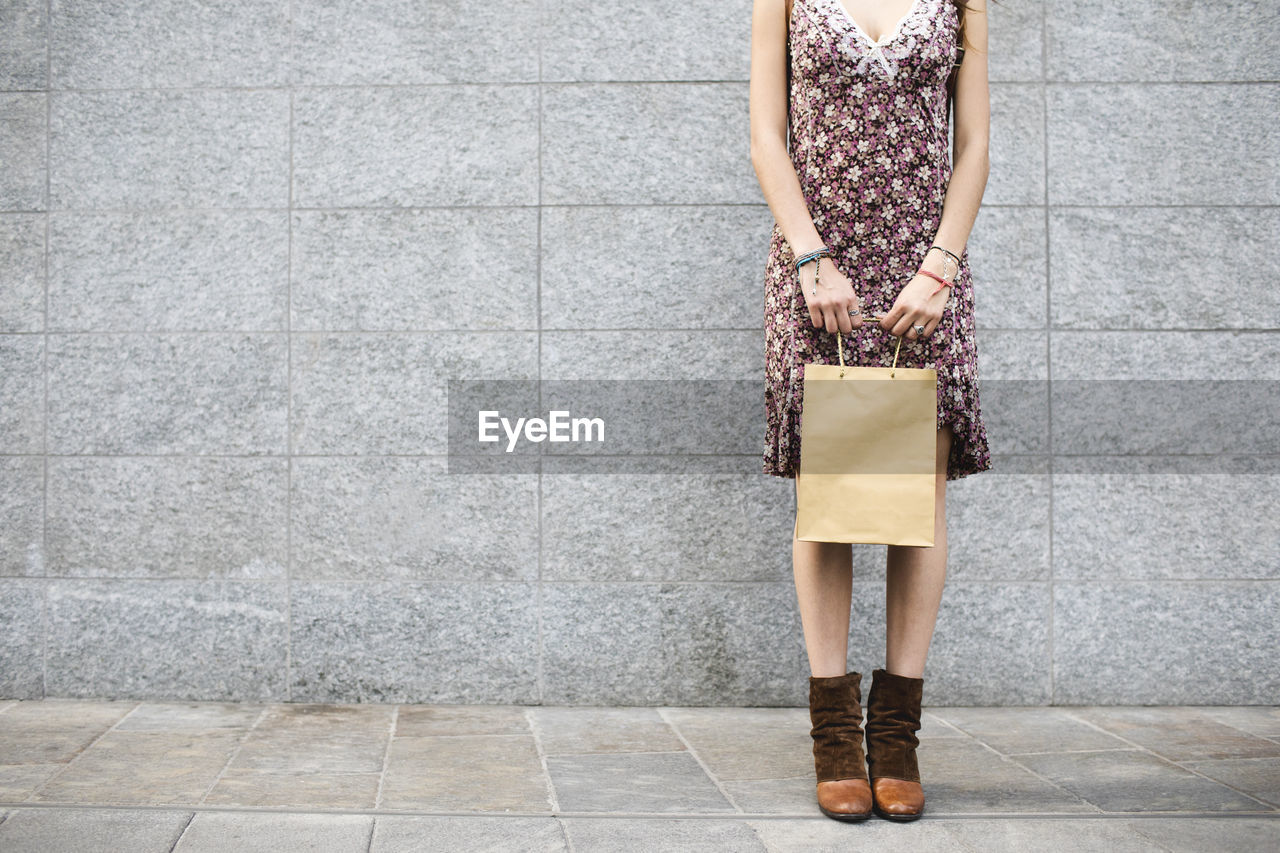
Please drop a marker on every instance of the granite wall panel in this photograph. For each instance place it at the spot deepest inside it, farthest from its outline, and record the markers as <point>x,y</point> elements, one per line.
<point>244,248</point>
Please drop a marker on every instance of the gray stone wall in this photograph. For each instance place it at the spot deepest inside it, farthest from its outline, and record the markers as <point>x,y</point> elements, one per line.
<point>244,245</point>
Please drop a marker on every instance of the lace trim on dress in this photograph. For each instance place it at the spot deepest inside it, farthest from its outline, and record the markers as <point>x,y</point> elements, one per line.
<point>871,56</point>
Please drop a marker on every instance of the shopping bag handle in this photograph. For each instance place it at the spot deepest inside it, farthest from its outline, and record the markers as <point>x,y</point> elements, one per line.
<point>840,345</point>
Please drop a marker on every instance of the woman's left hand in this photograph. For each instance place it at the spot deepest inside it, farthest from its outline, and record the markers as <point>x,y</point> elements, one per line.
<point>916,307</point>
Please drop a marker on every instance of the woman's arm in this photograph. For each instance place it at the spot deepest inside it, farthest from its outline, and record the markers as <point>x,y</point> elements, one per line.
<point>920,302</point>
<point>768,108</point>
<point>970,158</point>
<point>830,300</point>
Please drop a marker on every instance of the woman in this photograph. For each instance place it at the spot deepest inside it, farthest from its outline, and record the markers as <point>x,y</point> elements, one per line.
<point>849,119</point>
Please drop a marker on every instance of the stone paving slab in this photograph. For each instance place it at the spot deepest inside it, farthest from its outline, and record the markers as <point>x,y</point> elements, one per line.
<point>295,789</point>
<point>1260,720</point>
<point>777,739</point>
<point>932,836</point>
<point>467,834</point>
<point>439,720</point>
<point>635,782</point>
<point>1178,733</point>
<point>258,832</point>
<point>55,730</point>
<point>1206,835</point>
<point>1018,730</point>
<point>1257,777</point>
<point>336,751</point>
<point>90,830</point>
<point>465,773</point>
<point>567,730</point>
<point>793,796</point>
<point>587,834</point>
<point>1134,781</point>
<point>1077,835</point>
<point>160,768</point>
<point>966,777</point>
<point>187,716</point>
<point>215,776</point>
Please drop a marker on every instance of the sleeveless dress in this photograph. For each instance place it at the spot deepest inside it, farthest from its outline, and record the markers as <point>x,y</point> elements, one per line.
<point>869,144</point>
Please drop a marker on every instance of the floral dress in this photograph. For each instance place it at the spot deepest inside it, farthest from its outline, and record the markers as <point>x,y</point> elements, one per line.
<point>869,144</point>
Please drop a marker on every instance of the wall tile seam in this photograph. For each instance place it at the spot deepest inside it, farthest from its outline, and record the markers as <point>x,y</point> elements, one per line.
<point>156,211</point>
<point>602,82</point>
<point>45,606</point>
<point>1051,673</point>
<point>571,582</point>
<point>539,687</point>
<point>568,330</point>
<point>289,424</point>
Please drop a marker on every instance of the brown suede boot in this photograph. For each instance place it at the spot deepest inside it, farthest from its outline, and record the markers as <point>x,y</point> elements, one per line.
<point>835,710</point>
<point>893,718</point>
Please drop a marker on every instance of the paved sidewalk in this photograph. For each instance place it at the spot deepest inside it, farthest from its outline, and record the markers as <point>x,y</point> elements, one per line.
<point>86,776</point>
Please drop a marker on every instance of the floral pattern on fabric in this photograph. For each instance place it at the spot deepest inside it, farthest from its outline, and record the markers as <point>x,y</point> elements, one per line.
<point>869,144</point>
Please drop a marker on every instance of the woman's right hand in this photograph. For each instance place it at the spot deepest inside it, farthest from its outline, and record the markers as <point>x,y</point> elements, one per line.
<point>829,308</point>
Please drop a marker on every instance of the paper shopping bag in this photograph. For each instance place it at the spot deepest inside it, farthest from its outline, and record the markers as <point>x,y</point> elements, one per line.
<point>868,442</point>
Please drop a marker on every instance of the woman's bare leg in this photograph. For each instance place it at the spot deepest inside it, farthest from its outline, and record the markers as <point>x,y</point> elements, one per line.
<point>914,577</point>
<point>824,590</point>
